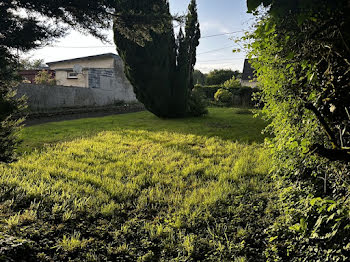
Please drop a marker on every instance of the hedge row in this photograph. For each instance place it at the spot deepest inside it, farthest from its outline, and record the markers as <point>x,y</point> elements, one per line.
<point>242,96</point>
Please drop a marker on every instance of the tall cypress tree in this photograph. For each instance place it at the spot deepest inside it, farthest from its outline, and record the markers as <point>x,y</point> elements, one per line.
<point>161,68</point>
<point>193,35</point>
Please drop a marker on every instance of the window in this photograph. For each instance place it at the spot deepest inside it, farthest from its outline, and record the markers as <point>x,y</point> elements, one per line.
<point>72,75</point>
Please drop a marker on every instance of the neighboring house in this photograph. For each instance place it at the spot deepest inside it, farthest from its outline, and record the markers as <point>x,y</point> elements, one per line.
<point>29,75</point>
<point>103,72</point>
<point>248,75</point>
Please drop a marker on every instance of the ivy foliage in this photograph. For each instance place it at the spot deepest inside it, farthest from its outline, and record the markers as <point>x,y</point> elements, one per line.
<point>301,54</point>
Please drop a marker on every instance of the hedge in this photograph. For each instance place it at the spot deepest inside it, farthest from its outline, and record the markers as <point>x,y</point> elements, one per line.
<point>242,96</point>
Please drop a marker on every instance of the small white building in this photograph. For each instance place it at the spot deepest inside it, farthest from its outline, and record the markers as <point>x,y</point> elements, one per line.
<point>104,72</point>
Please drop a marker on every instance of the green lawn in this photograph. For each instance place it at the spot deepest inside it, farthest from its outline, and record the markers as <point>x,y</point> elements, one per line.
<point>226,123</point>
<point>137,188</point>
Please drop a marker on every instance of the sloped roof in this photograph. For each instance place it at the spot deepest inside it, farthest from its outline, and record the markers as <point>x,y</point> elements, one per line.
<point>85,57</point>
<point>248,71</point>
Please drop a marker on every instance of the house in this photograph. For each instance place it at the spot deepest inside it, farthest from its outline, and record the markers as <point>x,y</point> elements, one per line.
<point>103,72</point>
<point>248,76</point>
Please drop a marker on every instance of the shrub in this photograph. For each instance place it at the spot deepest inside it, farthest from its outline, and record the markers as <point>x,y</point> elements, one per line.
<point>223,96</point>
<point>44,78</point>
<point>232,83</point>
<point>208,91</point>
<point>303,68</point>
<point>197,104</point>
<point>10,108</point>
<point>10,123</point>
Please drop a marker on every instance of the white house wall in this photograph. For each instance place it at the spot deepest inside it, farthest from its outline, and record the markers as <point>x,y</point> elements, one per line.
<point>105,75</point>
<point>81,81</point>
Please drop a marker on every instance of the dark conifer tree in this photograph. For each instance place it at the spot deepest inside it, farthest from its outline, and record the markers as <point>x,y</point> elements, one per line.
<point>161,68</point>
<point>193,35</point>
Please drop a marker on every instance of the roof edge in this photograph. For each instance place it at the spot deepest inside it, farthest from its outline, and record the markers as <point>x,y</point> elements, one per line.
<point>85,57</point>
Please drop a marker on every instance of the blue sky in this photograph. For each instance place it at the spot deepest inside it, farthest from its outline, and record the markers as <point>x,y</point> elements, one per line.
<point>215,17</point>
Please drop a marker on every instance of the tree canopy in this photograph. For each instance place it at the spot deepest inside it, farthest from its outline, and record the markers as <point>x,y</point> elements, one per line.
<point>220,76</point>
<point>198,77</point>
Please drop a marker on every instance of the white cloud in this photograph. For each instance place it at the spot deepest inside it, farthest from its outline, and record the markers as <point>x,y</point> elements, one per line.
<point>206,68</point>
<point>214,27</point>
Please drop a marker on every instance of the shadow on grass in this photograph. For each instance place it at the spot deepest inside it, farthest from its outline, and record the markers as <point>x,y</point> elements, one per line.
<point>226,123</point>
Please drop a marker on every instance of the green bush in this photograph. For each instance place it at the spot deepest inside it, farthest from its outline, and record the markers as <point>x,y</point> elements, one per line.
<point>246,96</point>
<point>10,123</point>
<point>302,66</point>
<point>208,91</point>
<point>197,103</point>
<point>232,83</point>
<point>223,96</point>
<point>10,107</point>
<point>44,78</point>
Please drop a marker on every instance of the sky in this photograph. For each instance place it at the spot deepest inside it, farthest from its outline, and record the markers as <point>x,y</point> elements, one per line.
<point>216,17</point>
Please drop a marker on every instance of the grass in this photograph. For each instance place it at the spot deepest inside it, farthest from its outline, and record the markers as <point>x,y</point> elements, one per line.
<point>226,123</point>
<point>137,188</point>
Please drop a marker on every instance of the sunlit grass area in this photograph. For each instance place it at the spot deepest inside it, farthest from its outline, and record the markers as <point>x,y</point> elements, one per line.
<point>226,123</point>
<point>137,188</point>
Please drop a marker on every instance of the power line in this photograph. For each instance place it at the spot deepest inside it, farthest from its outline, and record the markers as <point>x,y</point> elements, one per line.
<point>219,60</point>
<point>220,63</point>
<point>208,36</point>
<point>214,50</point>
<point>86,47</point>
<point>110,46</point>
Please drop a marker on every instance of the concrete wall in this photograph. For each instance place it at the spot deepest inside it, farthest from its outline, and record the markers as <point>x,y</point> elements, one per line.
<point>42,97</point>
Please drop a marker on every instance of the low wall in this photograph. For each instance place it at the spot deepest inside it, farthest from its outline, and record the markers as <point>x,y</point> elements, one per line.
<point>45,98</point>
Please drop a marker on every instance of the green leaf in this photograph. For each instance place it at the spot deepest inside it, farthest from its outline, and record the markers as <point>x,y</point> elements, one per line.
<point>331,207</point>
<point>301,19</point>
<point>290,55</point>
<point>273,238</point>
<point>303,224</point>
<point>314,200</point>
